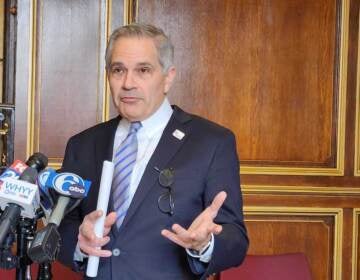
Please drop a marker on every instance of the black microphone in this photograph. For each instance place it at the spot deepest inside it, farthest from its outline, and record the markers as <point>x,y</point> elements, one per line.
<point>37,161</point>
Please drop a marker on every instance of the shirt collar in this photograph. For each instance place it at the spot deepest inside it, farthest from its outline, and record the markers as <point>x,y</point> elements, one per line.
<point>159,119</point>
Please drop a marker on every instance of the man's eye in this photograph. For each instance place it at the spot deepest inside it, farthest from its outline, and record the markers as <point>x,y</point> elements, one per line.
<point>144,70</point>
<point>117,70</point>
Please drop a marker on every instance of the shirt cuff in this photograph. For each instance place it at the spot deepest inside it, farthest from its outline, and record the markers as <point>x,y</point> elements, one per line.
<point>205,254</point>
<point>78,255</point>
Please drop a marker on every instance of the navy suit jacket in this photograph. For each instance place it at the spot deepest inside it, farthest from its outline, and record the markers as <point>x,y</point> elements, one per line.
<point>204,161</point>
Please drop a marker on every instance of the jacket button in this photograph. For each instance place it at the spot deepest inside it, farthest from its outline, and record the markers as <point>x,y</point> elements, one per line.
<point>116,252</point>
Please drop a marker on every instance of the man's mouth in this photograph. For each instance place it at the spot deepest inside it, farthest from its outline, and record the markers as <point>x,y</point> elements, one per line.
<point>128,99</point>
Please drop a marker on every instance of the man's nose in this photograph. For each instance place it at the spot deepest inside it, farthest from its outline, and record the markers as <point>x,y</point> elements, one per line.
<point>129,82</point>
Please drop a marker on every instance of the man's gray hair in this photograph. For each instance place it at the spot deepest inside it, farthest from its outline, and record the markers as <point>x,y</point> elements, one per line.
<point>165,48</point>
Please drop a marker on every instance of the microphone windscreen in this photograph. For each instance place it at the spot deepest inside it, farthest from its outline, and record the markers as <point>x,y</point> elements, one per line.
<point>37,161</point>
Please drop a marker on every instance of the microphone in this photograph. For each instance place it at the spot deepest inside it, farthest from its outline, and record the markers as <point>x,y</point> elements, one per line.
<point>70,188</point>
<point>46,200</point>
<point>37,161</point>
<point>102,204</point>
<point>14,170</point>
<point>19,197</point>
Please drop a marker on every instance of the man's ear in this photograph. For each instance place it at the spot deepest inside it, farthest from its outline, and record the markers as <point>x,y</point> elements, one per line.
<point>169,78</point>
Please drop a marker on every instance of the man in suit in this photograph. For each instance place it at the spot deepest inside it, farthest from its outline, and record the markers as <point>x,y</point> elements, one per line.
<point>175,209</point>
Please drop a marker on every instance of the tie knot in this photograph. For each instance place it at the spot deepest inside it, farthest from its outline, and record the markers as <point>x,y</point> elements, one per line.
<point>134,127</point>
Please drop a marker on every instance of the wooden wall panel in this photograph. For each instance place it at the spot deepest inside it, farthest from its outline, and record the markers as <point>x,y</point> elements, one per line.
<point>269,70</point>
<point>356,244</point>
<point>357,118</point>
<point>23,86</point>
<point>67,72</point>
<point>314,201</point>
<point>118,18</point>
<point>290,230</point>
<point>66,90</point>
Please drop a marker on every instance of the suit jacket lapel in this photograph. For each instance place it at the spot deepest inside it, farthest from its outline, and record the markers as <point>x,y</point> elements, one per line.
<point>165,150</point>
<point>104,144</point>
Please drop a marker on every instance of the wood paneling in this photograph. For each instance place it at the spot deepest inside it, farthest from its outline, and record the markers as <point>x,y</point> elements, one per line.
<point>67,72</point>
<point>357,118</point>
<point>272,66</point>
<point>69,91</point>
<point>117,20</point>
<point>336,206</point>
<point>66,89</point>
<point>312,233</point>
<point>356,244</point>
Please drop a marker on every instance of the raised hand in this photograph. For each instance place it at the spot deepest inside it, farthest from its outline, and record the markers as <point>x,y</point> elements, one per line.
<point>198,235</point>
<point>88,242</point>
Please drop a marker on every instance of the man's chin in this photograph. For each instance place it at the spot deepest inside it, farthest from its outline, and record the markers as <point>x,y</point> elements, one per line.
<point>132,116</point>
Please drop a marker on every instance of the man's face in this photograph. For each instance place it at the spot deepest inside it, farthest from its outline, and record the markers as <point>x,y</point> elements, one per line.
<point>137,83</point>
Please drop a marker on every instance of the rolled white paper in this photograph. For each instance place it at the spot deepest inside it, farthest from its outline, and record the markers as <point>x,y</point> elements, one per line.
<point>102,204</point>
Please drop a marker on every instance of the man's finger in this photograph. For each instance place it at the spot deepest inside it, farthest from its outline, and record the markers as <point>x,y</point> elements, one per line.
<point>181,232</point>
<point>93,251</point>
<point>93,216</point>
<point>217,229</point>
<point>203,233</point>
<point>96,242</point>
<point>110,219</point>
<point>217,203</point>
<point>106,231</point>
<point>174,238</point>
<point>87,231</point>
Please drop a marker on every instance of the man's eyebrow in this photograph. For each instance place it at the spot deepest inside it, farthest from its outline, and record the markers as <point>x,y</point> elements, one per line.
<point>116,64</point>
<point>142,64</point>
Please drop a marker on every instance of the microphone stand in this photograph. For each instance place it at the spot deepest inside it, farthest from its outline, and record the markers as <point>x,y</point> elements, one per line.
<point>25,233</point>
<point>44,271</point>
<point>7,259</point>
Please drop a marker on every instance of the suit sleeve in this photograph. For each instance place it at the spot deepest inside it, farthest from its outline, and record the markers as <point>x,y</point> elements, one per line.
<point>223,175</point>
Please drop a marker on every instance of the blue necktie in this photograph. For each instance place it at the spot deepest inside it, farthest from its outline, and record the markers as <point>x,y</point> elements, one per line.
<point>124,159</point>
